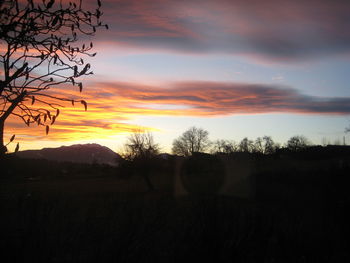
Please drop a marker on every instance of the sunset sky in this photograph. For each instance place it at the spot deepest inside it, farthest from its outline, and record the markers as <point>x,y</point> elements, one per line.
<point>237,68</point>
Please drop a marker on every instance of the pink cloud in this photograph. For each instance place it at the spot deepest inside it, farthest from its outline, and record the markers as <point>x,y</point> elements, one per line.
<point>218,98</point>
<point>271,29</point>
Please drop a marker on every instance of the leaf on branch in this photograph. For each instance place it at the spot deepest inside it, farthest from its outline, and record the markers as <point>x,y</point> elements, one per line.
<point>53,119</point>
<point>48,114</point>
<point>80,86</point>
<point>55,20</point>
<point>36,117</point>
<point>19,71</point>
<point>33,100</point>
<point>85,69</point>
<point>31,3</point>
<point>75,71</point>
<point>72,102</point>
<point>99,3</point>
<point>17,148</point>
<point>84,103</point>
<point>50,4</point>
<point>45,117</point>
<point>47,129</point>
<point>17,8</point>
<point>106,26</point>
<point>12,138</point>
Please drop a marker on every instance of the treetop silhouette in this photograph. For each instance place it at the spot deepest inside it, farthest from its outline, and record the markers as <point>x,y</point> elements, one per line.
<point>191,141</point>
<point>140,145</point>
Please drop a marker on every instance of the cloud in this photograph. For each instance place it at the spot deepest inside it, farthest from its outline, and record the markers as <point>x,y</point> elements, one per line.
<point>112,105</point>
<point>220,98</point>
<point>273,29</point>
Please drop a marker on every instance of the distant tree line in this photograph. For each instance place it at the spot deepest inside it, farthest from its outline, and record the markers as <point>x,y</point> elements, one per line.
<point>197,140</point>
<point>141,145</point>
<point>142,155</point>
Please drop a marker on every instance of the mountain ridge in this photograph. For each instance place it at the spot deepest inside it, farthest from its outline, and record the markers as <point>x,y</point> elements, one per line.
<point>77,153</point>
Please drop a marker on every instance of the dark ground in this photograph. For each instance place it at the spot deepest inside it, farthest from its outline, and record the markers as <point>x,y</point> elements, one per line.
<point>52,212</point>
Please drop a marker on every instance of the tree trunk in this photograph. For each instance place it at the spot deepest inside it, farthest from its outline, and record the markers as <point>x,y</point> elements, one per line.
<point>3,118</point>
<point>3,148</point>
<point>148,182</point>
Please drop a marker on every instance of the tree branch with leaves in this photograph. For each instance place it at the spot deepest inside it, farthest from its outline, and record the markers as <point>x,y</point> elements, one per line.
<point>41,49</point>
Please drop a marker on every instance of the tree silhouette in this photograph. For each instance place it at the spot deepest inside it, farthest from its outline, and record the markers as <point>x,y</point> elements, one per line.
<point>224,146</point>
<point>141,151</point>
<point>192,140</point>
<point>258,146</point>
<point>269,145</point>
<point>39,50</point>
<point>246,145</point>
<point>297,143</point>
<point>264,145</point>
<point>140,145</point>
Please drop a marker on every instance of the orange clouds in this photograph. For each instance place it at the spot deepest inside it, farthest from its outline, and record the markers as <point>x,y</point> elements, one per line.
<point>112,104</point>
<point>218,98</point>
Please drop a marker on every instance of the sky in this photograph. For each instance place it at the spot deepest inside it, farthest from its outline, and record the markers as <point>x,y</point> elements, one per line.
<point>237,68</point>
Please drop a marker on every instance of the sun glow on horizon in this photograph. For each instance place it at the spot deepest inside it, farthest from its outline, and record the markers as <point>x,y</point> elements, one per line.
<point>228,67</point>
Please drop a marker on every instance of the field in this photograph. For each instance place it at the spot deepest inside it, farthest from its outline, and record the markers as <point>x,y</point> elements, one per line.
<point>52,212</point>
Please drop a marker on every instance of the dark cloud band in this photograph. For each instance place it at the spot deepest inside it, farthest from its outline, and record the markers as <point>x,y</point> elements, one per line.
<point>217,98</point>
<point>274,29</point>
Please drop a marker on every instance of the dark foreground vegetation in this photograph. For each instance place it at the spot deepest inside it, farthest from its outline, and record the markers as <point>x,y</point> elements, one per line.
<point>65,212</point>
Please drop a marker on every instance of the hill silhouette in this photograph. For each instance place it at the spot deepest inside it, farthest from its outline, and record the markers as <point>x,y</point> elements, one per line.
<point>77,153</point>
